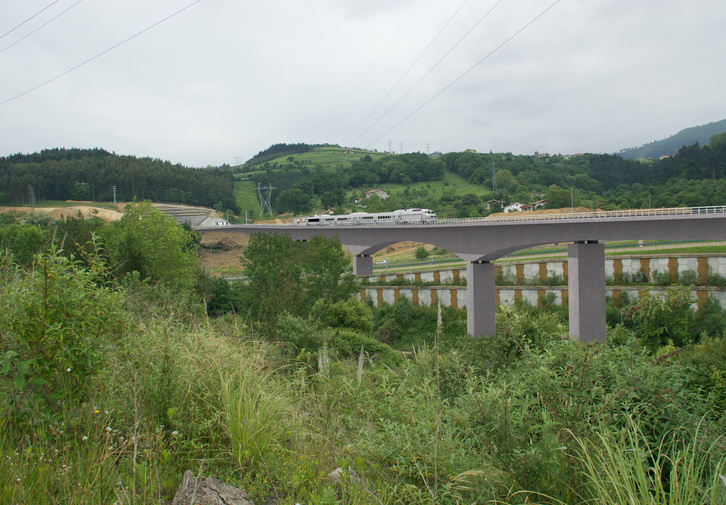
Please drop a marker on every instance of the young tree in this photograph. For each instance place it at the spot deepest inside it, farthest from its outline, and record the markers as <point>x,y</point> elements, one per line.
<point>289,276</point>
<point>557,197</point>
<point>154,245</point>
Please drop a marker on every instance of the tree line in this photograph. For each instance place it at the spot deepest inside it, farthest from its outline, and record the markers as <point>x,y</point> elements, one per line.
<point>91,174</point>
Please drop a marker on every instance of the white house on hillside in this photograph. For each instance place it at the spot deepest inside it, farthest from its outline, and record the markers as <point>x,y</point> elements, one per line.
<point>517,207</point>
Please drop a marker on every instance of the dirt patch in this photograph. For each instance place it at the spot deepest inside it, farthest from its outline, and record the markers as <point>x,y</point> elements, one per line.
<point>222,250</point>
<point>87,211</point>
<point>523,215</point>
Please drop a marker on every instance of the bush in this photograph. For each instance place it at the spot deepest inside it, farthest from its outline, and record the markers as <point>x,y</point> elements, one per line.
<point>658,320</point>
<point>306,335</point>
<point>154,245</point>
<point>526,414</point>
<point>708,362</point>
<point>351,314</point>
<point>688,278</point>
<point>56,323</point>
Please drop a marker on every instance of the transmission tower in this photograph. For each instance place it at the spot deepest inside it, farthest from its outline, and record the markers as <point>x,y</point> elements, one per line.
<point>265,200</point>
<point>31,195</point>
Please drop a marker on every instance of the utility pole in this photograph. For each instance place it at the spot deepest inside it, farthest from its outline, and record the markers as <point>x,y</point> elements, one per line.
<point>31,194</point>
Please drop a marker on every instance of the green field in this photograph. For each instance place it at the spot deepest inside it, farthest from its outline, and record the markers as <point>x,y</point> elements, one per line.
<point>451,183</point>
<point>246,197</point>
<point>327,157</point>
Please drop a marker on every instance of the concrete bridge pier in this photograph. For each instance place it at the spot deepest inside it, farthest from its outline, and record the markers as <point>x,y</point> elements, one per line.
<point>480,299</point>
<point>586,291</point>
<point>363,265</point>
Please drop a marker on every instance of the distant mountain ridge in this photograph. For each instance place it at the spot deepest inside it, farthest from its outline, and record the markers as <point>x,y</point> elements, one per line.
<point>670,146</point>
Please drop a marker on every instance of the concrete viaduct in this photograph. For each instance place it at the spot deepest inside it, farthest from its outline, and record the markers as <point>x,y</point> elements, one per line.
<point>479,242</point>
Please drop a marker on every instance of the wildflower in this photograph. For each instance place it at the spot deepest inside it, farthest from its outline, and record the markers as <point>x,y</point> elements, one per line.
<point>68,369</point>
<point>84,438</point>
<point>174,433</point>
<point>109,429</point>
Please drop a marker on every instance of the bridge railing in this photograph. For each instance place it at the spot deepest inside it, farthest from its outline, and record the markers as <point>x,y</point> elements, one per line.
<point>534,217</point>
<point>608,214</point>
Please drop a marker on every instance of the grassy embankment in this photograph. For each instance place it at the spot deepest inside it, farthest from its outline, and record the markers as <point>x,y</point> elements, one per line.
<point>524,417</point>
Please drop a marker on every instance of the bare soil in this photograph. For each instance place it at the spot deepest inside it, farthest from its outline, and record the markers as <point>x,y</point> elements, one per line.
<point>223,250</point>
<point>86,210</point>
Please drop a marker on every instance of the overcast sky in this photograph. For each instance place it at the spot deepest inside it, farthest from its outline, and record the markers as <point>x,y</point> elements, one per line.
<point>224,79</point>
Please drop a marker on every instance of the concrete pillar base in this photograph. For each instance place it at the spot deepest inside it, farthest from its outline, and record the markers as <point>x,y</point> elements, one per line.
<point>480,299</point>
<point>363,265</point>
<point>586,291</point>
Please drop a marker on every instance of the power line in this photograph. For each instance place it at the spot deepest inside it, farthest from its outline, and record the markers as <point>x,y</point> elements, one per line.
<point>486,15</point>
<point>406,72</point>
<point>31,17</point>
<point>100,54</point>
<point>465,73</point>
<point>370,69</point>
<point>41,26</point>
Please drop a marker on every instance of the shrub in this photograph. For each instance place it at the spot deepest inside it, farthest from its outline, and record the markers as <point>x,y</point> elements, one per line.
<point>715,279</point>
<point>659,320</point>
<point>526,414</point>
<point>306,335</point>
<point>688,278</point>
<point>56,322</point>
<point>708,362</point>
<point>660,278</point>
<point>351,314</point>
<point>154,245</point>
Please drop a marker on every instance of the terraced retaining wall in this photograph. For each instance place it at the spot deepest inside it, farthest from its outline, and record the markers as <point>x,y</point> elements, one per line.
<point>532,281</point>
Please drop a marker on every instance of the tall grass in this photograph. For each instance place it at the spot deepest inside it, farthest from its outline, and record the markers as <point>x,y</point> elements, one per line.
<point>257,413</point>
<point>678,469</point>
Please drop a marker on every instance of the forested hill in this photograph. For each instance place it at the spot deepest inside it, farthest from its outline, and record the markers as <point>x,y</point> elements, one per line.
<point>277,150</point>
<point>90,174</point>
<point>695,176</point>
<point>671,145</point>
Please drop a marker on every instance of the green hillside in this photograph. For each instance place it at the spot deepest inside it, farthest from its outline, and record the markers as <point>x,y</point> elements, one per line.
<point>327,157</point>
<point>460,184</point>
<point>670,146</point>
<point>246,198</point>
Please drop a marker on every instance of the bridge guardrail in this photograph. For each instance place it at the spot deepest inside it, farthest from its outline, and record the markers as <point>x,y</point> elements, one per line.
<point>534,217</point>
<point>607,214</point>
